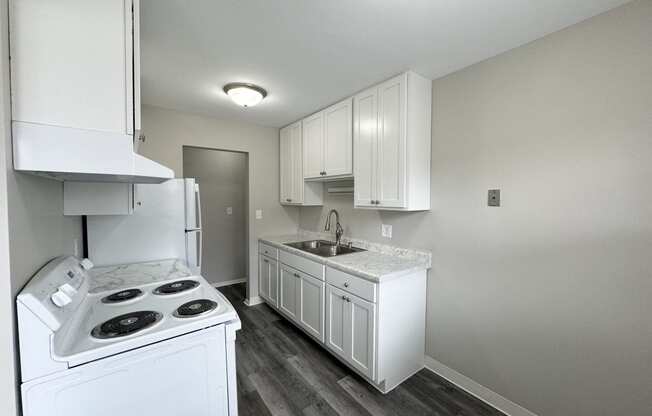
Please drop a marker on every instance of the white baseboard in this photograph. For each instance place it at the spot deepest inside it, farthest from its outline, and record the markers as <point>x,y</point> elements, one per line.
<point>230,282</point>
<point>253,301</point>
<point>476,389</point>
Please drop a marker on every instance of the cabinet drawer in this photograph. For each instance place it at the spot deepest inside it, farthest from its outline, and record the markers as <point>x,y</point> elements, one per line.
<point>352,284</point>
<point>267,250</point>
<point>303,264</point>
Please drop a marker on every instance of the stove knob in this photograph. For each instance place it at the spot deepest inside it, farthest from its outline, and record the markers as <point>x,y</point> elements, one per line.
<point>68,290</point>
<point>86,264</point>
<point>60,298</point>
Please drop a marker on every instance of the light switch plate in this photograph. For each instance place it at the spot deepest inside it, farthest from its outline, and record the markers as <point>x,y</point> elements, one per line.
<point>229,210</point>
<point>493,198</point>
<point>386,230</point>
<point>259,214</point>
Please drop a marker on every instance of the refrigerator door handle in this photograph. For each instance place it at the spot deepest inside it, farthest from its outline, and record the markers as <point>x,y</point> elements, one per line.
<point>200,247</point>
<point>198,206</point>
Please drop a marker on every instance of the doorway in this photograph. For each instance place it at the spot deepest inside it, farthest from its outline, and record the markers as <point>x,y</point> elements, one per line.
<point>223,181</point>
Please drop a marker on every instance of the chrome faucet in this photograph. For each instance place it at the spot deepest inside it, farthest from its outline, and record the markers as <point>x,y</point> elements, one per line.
<point>338,227</point>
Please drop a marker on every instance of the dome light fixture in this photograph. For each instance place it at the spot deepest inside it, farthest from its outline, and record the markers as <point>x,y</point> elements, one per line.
<point>244,94</point>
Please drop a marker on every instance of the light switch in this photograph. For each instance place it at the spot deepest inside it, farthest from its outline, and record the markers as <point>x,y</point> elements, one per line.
<point>259,214</point>
<point>386,230</point>
<point>229,210</point>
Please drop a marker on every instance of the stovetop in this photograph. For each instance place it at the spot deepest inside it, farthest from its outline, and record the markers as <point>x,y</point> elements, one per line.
<point>132,314</point>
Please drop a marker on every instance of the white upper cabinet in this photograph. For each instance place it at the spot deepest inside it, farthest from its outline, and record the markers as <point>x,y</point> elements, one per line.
<point>293,189</point>
<point>313,146</point>
<point>338,139</point>
<point>286,165</point>
<point>75,90</point>
<point>365,131</point>
<point>391,144</point>
<point>328,142</point>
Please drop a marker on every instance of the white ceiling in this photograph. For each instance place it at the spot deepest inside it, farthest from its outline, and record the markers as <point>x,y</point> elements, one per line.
<point>310,53</point>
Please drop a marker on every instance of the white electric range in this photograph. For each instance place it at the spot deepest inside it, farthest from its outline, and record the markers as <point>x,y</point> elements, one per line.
<point>140,339</point>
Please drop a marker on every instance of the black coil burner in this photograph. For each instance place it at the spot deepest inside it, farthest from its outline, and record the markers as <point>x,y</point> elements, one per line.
<point>126,324</point>
<point>195,308</point>
<point>122,296</point>
<point>176,287</point>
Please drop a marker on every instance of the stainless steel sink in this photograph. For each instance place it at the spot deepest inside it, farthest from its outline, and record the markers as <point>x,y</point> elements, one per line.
<point>324,248</point>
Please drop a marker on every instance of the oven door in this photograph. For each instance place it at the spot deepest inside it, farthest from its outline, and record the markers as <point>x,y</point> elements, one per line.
<point>182,376</point>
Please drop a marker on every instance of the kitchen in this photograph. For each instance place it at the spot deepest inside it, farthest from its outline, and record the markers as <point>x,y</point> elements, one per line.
<point>505,235</point>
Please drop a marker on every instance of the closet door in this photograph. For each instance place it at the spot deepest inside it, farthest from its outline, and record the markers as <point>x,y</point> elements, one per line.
<point>338,139</point>
<point>313,146</point>
<point>391,153</point>
<point>365,134</point>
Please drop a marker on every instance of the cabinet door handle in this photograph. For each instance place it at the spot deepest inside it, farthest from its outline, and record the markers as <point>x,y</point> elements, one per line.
<point>288,200</point>
<point>348,299</point>
<point>297,275</point>
<point>346,284</point>
<point>266,261</point>
<point>343,297</point>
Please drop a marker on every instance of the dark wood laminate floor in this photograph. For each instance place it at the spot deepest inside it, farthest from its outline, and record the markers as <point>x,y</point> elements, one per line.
<point>281,371</point>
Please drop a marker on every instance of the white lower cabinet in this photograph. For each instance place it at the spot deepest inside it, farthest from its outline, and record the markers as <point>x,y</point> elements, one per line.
<point>268,279</point>
<point>376,328</point>
<point>311,305</point>
<point>289,287</point>
<point>302,300</point>
<point>351,329</point>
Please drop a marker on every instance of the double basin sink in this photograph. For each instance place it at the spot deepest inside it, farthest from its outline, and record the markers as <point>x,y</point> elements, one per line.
<point>324,248</point>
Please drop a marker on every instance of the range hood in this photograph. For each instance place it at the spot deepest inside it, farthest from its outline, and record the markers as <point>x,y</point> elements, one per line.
<point>69,154</point>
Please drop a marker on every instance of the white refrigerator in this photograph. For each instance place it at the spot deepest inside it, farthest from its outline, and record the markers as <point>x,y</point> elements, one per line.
<point>165,224</point>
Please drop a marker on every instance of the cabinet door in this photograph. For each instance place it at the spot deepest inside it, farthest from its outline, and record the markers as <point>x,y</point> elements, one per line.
<point>289,285</point>
<point>336,321</point>
<point>365,133</point>
<point>311,305</point>
<point>390,187</point>
<point>338,140</point>
<point>273,282</point>
<point>313,146</point>
<point>361,335</point>
<point>68,64</point>
<point>296,152</point>
<point>286,165</point>
<point>263,277</point>
<point>136,67</point>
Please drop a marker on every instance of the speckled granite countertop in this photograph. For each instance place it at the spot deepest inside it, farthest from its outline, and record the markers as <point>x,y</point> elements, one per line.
<point>121,277</point>
<point>379,263</point>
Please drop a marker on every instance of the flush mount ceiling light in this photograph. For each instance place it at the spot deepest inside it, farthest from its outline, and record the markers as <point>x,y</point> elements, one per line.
<point>243,94</point>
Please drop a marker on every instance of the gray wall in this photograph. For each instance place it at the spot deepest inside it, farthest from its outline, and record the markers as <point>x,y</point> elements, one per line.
<point>545,300</point>
<point>168,131</point>
<point>33,230</point>
<point>222,178</point>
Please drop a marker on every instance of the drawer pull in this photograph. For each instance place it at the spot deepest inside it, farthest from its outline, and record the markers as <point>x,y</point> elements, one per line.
<point>346,284</point>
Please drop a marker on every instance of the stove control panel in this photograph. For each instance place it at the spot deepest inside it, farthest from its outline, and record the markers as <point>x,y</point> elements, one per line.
<point>56,291</point>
